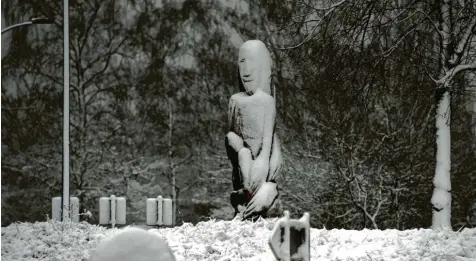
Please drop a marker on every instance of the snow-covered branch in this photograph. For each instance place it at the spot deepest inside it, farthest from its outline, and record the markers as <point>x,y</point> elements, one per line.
<point>329,7</point>
<point>448,77</point>
<point>466,36</point>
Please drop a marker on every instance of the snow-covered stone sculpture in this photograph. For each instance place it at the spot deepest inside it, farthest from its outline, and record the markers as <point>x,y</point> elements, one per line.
<point>133,244</point>
<point>251,143</point>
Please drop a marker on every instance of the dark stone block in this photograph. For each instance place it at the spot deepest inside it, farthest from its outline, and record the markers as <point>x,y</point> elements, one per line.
<point>297,237</point>
<point>239,197</point>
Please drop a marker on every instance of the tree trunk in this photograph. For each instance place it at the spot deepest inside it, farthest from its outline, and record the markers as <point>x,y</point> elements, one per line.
<point>174,200</point>
<point>172,165</point>
<point>441,199</point>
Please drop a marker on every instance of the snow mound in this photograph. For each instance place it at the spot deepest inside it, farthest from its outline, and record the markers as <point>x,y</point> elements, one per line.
<point>235,240</point>
<point>133,244</point>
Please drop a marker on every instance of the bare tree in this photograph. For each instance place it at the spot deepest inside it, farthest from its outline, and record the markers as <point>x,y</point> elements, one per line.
<point>440,35</point>
<point>455,31</point>
<point>174,165</point>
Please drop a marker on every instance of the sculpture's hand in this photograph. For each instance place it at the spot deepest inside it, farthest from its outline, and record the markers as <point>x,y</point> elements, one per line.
<point>262,200</point>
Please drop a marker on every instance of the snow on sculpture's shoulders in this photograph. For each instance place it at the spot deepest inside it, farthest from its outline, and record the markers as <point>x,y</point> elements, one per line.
<point>260,97</point>
<point>133,244</point>
<point>263,97</point>
<point>258,102</point>
<point>238,96</point>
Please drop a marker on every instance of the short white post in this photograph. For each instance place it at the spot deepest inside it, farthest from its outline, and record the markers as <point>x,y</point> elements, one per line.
<point>113,210</point>
<point>160,211</point>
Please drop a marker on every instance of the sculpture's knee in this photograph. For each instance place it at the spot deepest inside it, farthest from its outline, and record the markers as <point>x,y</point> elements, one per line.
<point>244,158</point>
<point>244,153</point>
<point>234,141</point>
<point>245,161</point>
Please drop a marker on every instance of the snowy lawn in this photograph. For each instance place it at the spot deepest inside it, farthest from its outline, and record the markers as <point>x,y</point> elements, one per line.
<point>235,240</point>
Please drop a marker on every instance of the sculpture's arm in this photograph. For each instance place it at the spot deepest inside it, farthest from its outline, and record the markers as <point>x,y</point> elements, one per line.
<point>231,113</point>
<point>276,160</point>
<point>232,144</point>
<point>268,129</point>
<point>233,138</point>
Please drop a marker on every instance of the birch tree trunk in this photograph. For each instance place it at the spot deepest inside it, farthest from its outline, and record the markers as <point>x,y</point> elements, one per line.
<point>441,199</point>
<point>453,54</point>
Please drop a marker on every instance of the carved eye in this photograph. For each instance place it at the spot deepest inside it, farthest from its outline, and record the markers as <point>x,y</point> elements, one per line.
<point>242,60</point>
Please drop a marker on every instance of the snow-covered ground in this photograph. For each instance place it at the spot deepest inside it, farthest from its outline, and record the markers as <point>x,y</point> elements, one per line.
<point>235,240</point>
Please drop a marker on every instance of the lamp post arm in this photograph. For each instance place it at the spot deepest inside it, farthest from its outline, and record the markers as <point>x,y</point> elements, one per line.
<point>34,20</point>
<point>16,25</point>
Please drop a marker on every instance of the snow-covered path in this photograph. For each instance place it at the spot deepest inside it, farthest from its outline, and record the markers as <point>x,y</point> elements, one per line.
<point>235,240</point>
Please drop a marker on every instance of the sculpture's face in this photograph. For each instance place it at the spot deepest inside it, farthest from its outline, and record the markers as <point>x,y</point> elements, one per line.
<point>254,65</point>
<point>249,69</point>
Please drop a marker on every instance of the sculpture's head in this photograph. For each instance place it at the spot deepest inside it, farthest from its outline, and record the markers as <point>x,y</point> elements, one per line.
<point>254,62</point>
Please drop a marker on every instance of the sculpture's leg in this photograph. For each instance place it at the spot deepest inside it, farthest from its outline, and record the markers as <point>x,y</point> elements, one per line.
<point>245,162</point>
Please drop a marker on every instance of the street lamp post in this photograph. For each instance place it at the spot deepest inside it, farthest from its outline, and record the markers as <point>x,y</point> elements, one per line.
<point>66,157</point>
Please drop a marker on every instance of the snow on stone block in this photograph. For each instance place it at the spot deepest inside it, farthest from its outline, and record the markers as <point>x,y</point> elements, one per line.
<point>73,208</point>
<point>112,210</point>
<point>167,212</point>
<point>151,212</point>
<point>121,211</point>
<point>104,211</point>
<point>133,244</point>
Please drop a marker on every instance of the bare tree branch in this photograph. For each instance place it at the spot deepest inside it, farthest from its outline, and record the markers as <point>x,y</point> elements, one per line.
<point>328,10</point>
